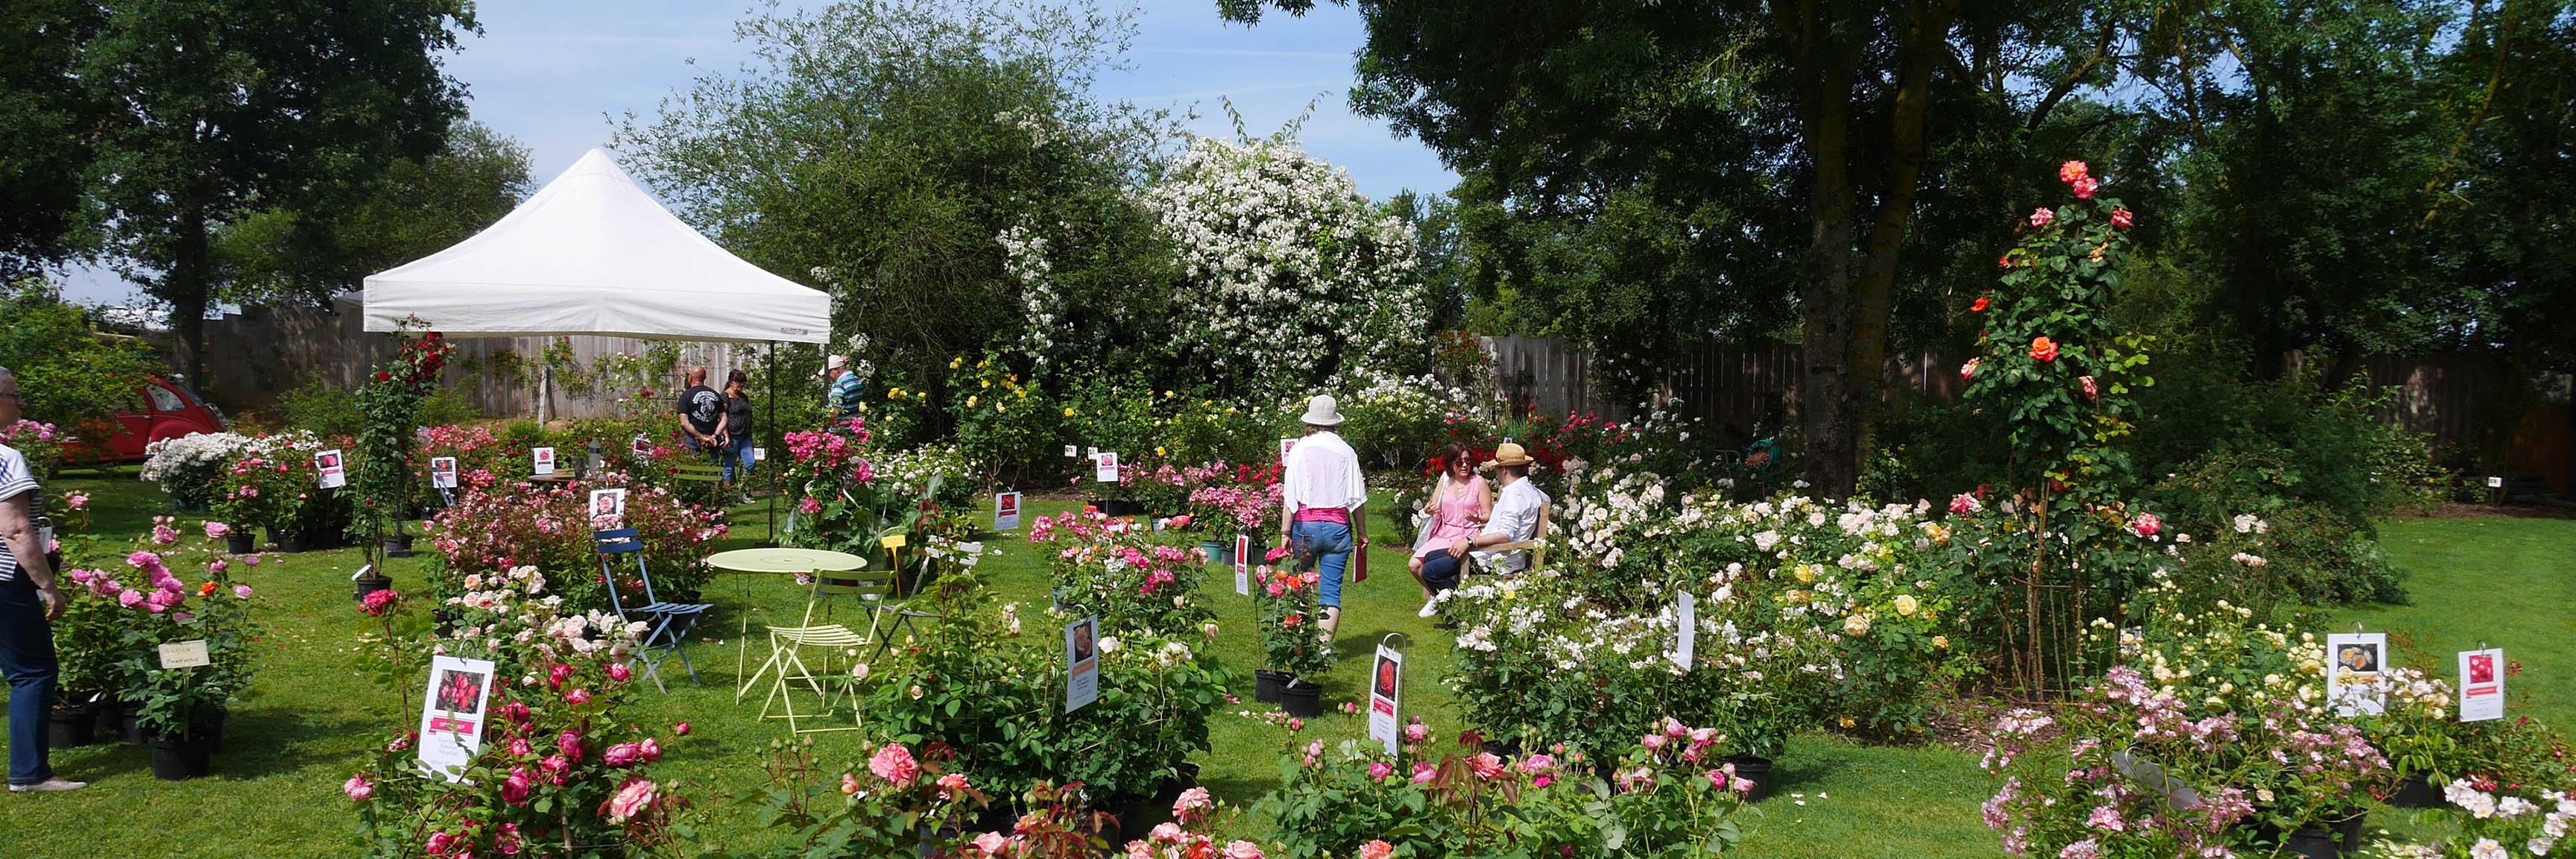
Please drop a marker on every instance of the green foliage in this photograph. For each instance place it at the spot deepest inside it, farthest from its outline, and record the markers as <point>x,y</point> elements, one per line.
<point>415,206</point>
<point>71,376</point>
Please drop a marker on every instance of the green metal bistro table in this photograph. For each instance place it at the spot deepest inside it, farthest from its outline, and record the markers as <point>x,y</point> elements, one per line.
<point>776,561</point>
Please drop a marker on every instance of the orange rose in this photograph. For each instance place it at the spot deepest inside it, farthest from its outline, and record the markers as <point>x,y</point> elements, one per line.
<point>206,590</point>
<point>2043,350</point>
<point>1983,302</point>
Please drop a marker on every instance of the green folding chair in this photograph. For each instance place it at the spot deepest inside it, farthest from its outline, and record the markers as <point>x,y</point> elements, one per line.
<point>786,668</point>
<point>710,475</point>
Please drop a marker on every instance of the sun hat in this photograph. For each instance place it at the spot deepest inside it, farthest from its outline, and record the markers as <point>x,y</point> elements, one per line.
<point>1323,411</point>
<point>1509,454</point>
<point>833,363</point>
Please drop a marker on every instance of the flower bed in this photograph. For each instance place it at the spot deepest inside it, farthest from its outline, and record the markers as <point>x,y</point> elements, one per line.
<point>549,526</point>
<point>191,468</point>
<point>1114,569</point>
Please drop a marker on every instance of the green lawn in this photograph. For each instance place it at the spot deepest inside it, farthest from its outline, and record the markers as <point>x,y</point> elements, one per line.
<point>304,728</point>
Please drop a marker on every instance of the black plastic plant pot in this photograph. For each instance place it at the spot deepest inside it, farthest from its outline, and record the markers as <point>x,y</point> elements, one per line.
<point>398,547</point>
<point>1753,771</point>
<point>1302,700</point>
<point>72,725</point>
<point>240,541</point>
<point>368,586</point>
<point>1266,685</point>
<point>180,758</point>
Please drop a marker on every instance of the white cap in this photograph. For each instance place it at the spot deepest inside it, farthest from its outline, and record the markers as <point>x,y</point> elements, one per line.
<point>835,362</point>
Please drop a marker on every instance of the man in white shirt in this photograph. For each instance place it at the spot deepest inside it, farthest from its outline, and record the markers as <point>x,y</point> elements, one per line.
<point>1517,508</point>
<point>29,605</point>
<point>1320,497</point>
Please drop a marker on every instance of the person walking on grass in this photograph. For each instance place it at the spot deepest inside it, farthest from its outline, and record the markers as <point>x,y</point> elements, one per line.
<point>29,605</point>
<point>736,438</point>
<point>1515,519</point>
<point>1321,494</point>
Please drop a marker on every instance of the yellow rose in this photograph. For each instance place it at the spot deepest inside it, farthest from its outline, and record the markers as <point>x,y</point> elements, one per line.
<point>1905,605</point>
<point>954,363</point>
<point>1158,451</point>
<point>1806,574</point>
<point>894,394</point>
<point>970,402</point>
<point>1856,625</point>
<point>1000,409</point>
<point>1941,642</point>
<point>1068,411</point>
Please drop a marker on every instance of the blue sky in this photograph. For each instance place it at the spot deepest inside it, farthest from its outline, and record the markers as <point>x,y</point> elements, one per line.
<point>551,74</point>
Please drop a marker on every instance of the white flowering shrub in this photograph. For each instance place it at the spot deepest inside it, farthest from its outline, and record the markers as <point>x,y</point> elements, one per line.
<point>188,467</point>
<point>1287,273</point>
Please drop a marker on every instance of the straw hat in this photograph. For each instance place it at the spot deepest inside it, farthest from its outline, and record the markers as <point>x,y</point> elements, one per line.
<point>1509,454</point>
<point>1323,411</point>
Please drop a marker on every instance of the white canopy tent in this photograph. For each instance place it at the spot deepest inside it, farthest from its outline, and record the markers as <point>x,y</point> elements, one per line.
<point>592,253</point>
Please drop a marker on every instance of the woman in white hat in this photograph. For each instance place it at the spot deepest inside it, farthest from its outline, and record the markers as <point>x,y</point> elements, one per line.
<point>1321,494</point>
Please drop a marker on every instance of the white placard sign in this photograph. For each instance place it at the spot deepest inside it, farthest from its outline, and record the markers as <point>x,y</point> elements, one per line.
<point>760,454</point>
<point>1105,468</point>
<point>1686,615</point>
<point>185,654</point>
<point>2354,664</point>
<point>545,461</point>
<point>1385,685</point>
<point>607,506</point>
<point>1081,663</point>
<point>2495,483</point>
<point>1286,445</point>
<point>1072,451</point>
<point>641,446</point>
<point>442,472</point>
<point>335,473</point>
<point>1243,565</point>
<point>452,714</point>
<point>2482,685</point>
<point>1006,511</point>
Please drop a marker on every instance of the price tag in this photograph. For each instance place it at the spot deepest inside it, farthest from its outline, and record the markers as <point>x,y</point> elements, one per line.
<point>185,654</point>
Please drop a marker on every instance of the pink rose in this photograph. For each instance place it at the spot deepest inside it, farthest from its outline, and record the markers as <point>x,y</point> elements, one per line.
<point>438,843</point>
<point>358,789</point>
<point>1417,732</point>
<point>1423,773</point>
<point>991,843</point>
<point>622,755</point>
<point>569,743</point>
<point>894,763</point>
<point>1242,850</point>
<point>508,843</point>
<point>2084,188</point>
<point>632,799</point>
<point>1379,771</point>
<point>1166,833</point>
<point>1964,504</point>
<point>2146,525</point>
<point>519,748</point>
<point>1536,764</point>
<point>681,729</point>
<point>556,769</point>
<point>1487,766</point>
<point>241,592</point>
<point>2042,217</point>
<point>1969,370</point>
<point>130,599</point>
<point>515,789</point>
<point>2121,219</point>
<point>1376,850</point>
<point>577,697</point>
<point>1194,805</point>
<point>849,784</point>
<point>216,530</point>
<point>2071,171</point>
<point>1717,779</point>
<point>651,751</point>
<point>2092,391</point>
<point>620,673</point>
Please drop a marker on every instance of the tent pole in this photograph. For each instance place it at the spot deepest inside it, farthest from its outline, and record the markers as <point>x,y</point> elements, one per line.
<point>773,427</point>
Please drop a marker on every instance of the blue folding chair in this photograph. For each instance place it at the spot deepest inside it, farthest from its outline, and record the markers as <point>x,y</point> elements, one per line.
<point>671,621</point>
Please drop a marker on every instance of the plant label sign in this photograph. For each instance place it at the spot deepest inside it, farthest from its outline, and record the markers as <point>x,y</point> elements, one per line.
<point>545,461</point>
<point>1385,685</point>
<point>607,507</point>
<point>1686,615</point>
<point>442,472</point>
<point>452,714</point>
<point>2495,483</point>
<point>1081,663</point>
<point>760,454</point>
<point>2482,685</point>
<point>641,446</point>
<point>1006,511</point>
<point>2355,663</point>
<point>1243,565</point>
<point>1072,451</point>
<point>1105,468</point>
<point>1286,445</point>
<point>185,654</point>
<point>335,474</point>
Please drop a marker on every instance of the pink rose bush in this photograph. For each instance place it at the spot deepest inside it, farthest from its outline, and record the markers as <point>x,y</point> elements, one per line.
<point>1113,567</point>
<point>1660,800</point>
<point>179,589</point>
<point>560,763</point>
<point>549,526</point>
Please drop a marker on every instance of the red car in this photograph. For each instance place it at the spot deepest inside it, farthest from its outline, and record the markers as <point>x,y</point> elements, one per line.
<point>163,408</point>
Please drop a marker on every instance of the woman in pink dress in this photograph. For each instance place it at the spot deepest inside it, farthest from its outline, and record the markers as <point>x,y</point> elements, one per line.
<point>1459,505</point>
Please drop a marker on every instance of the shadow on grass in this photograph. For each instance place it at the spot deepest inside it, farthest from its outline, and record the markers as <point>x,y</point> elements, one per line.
<point>271,741</point>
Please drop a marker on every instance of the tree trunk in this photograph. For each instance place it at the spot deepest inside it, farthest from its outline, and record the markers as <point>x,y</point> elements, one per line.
<point>185,288</point>
<point>1873,293</point>
<point>1826,72</point>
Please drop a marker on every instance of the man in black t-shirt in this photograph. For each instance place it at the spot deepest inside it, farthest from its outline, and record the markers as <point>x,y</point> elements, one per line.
<point>702,412</point>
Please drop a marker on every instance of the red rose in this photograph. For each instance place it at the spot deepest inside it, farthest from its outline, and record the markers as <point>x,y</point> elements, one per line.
<point>383,376</point>
<point>1983,302</point>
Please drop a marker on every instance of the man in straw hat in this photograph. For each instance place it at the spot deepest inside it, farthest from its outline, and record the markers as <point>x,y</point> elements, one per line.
<point>1320,496</point>
<point>1517,508</point>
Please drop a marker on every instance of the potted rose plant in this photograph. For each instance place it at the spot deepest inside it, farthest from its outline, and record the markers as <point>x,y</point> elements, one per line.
<point>383,477</point>
<point>1295,652</point>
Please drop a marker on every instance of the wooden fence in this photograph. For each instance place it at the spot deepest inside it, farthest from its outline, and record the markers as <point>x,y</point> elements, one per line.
<point>260,354</point>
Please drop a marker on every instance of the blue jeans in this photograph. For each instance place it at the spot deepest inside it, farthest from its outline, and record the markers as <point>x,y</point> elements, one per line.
<point>1328,546</point>
<point>27,660</point>
<point>741,451</point>
<point>1440,571</point>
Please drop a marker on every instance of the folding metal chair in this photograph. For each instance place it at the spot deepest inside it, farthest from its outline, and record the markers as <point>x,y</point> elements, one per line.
<point>787,643</point>
<point>671,621</point>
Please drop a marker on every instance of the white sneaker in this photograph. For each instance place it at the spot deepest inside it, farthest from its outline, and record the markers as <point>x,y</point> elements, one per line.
<point>56,785</point>
<point>1430,609</point>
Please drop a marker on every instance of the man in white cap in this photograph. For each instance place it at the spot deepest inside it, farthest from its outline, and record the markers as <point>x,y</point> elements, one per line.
<point>843,402</point>
<point>1517,509</point>
<point>1320,497</point>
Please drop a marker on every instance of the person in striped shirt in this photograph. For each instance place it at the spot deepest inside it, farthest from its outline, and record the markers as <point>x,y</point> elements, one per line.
<point>843,403</point>
<point>29,605</point>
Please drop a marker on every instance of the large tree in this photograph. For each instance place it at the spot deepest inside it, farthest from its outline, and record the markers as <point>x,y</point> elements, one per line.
<point>900,154</point>
<point>47,121</point>
<point>1663,175</point>
<point>222,108</point>
<point>412,208</point>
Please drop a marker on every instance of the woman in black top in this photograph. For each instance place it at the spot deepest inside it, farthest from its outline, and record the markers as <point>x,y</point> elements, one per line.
<point>737,422</point>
